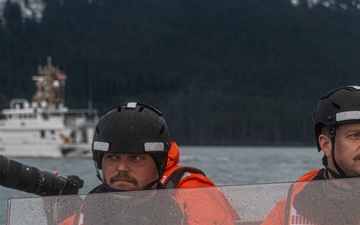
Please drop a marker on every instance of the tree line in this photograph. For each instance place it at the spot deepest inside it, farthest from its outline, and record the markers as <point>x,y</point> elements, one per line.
<point>226,73</point>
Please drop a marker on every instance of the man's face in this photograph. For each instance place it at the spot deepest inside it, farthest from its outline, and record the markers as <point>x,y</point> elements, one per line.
<point>128,172</point>
<point>347,148</point>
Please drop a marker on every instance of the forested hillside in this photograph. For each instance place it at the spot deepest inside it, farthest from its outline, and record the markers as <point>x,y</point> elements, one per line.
<point>222,72</point>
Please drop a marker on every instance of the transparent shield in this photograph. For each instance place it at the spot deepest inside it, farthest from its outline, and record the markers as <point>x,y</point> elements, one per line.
<point>326,202</point>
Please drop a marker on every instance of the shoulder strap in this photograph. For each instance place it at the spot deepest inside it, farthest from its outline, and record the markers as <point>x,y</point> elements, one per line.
<point>288,204</point>
<point>176,176</point>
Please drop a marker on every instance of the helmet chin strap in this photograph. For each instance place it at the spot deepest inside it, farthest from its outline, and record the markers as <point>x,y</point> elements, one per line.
<point>149,186</point>
<point>334,174</point>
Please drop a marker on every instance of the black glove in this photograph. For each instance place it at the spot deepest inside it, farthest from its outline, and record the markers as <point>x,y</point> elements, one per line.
<point>72,185</point>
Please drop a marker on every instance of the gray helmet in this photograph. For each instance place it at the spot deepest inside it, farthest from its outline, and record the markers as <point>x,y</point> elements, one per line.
<point>339,106</point>
<point>132,128</point>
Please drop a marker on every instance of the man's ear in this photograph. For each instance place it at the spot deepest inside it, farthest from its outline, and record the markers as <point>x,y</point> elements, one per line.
<point>325,144</point>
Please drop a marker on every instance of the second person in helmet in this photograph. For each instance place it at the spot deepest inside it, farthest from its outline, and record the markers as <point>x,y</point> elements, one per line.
<point>337,130</point>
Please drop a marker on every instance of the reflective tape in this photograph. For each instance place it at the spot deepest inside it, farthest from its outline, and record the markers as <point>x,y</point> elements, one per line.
<point>355,87</point>
<point>101,146</point>
<point>349,115</point>
<point>154,147</point>
<point>131,105</point>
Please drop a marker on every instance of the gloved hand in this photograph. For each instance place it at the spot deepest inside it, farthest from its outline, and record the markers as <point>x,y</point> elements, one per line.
<point>72,185</point>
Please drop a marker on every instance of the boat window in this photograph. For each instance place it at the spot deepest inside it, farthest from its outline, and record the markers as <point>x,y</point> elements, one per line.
<point>45,116</point>
<point>52,132</point>
<point>42,134</point>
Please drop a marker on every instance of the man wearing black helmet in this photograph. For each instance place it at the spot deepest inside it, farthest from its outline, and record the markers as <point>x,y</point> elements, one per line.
<point>328,199</point>
<point>139,133</point>
<point>130,150</point>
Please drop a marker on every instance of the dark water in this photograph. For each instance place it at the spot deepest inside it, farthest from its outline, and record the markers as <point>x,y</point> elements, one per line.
<point>224,165</point>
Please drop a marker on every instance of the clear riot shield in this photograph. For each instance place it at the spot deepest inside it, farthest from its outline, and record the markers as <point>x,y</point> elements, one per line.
<point>326,202</point>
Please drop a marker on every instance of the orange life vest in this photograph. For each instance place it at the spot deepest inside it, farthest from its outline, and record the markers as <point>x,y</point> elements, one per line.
<point>284,210</point>
<point>315,200</point>
<point>177,176</point>
<point>218,210</point>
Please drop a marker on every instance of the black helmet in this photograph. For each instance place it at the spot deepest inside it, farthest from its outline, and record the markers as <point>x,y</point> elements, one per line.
<point>133,128</point>
<point>339,106</point>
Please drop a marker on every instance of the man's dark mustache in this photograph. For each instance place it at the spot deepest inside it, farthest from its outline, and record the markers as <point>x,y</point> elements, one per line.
<point>123,176</point>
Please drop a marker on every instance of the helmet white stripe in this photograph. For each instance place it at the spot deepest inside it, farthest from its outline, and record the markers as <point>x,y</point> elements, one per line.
<point>131,105</point>
<point>349,115</point>
<point>101,146</point>
<point>355,87</point>
<point>154,147</point>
